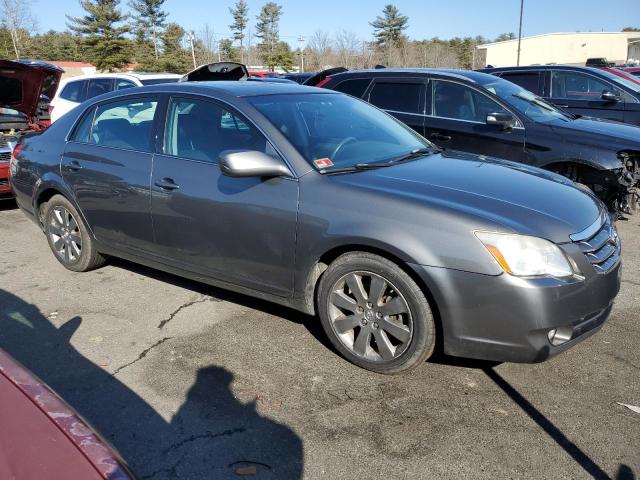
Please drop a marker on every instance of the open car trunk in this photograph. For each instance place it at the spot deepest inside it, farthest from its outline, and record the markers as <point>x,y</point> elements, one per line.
<point>219,71</point>
<point>27,87</point>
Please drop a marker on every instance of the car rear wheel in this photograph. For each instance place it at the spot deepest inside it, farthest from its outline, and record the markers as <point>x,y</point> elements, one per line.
<point>68,237</point>
<point>375,315</point>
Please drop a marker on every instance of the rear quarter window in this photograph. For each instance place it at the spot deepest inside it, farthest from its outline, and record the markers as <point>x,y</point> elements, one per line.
<point>354,87</point>
<point>72,91</point>
<point>398,97</point>
<point>527,80</point>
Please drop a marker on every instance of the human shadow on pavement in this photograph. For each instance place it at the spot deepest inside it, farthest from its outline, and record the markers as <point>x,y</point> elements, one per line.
<point>211,435</point>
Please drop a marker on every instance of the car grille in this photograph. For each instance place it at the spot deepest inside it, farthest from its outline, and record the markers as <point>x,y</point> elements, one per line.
<point>602,249</point>
<point>5,156</point>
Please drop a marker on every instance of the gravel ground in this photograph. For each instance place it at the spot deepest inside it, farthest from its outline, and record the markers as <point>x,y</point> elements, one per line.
<point>188,381</point>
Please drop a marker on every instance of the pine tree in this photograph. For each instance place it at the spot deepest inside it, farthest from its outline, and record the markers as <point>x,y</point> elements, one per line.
<point>103,34</point>
<point>149,21</point>
<point>268,31</point>
<point>388,28</point>
<point>175,58</point>
<point>240,14</point>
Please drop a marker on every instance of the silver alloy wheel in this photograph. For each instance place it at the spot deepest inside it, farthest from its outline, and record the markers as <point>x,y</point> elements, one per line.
<point>370,316</point>
<point>64,233</point>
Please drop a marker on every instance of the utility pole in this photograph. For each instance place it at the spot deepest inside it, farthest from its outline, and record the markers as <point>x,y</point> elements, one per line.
<point>520,31</point>
<point>193,50</point>
<point>301,42</point>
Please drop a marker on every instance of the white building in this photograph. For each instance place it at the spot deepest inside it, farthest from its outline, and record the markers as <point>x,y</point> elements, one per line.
<point>565,48</point>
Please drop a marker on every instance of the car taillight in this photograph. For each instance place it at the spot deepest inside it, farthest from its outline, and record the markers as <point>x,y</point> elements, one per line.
<point>323,82</point>
<point>16,151</point>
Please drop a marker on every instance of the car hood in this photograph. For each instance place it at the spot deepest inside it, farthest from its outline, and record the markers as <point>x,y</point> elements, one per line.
<point>600,128</point>
<point>23,85</point>
<point>516,197</point>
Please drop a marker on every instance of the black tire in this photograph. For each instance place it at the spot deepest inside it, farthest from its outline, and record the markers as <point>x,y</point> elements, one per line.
<point>68,236</point>
<point>403,350</point>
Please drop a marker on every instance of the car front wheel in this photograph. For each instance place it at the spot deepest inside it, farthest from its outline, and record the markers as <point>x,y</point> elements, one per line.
<point>375,314</point>
<point>68,237</point>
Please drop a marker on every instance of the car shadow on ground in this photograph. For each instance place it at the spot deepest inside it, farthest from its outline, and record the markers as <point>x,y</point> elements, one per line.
<point>212,435</point>
<point>313,326</point>
<point>8,205</point>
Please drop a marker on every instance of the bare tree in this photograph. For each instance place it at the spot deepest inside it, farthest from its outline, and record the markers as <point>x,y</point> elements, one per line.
<point>347,47</point>
<point>206,46</point>
<point>319,50</point>
<point>17,18</point>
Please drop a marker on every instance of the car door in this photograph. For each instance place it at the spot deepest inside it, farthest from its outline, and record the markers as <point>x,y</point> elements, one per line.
<point>239,230</point>
<point>107,165</point>
<point>457,120</point>
<point>581,94</point>
<point>404,98</point>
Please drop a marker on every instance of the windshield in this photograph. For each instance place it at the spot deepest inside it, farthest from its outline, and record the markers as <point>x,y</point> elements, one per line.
<point>621,80</point>
<point>334,131</point>
<point>529,104</point>
<point>159,81</point>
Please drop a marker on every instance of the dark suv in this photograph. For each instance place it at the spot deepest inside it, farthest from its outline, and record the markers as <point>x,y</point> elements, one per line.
<point>480,113</point>
<point>586,91</point>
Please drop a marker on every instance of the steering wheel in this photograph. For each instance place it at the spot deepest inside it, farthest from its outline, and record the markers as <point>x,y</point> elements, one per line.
<point>341,145</point>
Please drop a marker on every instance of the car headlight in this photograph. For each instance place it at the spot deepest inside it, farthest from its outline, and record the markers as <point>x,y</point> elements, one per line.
<point>526,256</point>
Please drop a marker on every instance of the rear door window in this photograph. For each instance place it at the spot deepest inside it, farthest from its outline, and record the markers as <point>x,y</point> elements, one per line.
<point>398,97</point>
<point>126,124</point>
<point>354,87</point>
<point>72,91</point>
<point>527,80</point>
<point>98,86</point>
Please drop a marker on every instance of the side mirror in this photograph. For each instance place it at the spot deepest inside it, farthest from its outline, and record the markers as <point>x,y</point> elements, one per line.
<point>609,96</point>
<point>250,163</point>
<point>502,120</point>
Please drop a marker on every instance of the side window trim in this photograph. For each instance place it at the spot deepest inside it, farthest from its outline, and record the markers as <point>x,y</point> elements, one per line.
<point>601,80</point>
<point>162,129</point>
<point>422,82</point>
<point>519,126</point>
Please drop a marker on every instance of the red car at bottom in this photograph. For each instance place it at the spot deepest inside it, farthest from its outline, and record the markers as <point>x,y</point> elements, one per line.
<point>42,437</point>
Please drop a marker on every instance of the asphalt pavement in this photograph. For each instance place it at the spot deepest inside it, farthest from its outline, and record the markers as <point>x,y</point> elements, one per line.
<point>192,382</point>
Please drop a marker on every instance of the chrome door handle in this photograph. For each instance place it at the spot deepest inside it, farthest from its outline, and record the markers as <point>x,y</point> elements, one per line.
<point>166,184</point>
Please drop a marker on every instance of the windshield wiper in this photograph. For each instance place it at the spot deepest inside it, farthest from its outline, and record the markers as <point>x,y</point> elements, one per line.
<point>412,155</point>
<point>358,167</point>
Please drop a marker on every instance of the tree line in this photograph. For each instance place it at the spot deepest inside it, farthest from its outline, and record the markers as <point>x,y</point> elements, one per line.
<point>110,39</point>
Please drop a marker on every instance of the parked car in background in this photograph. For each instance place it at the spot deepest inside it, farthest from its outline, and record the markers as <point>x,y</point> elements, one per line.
<point>316,200</point>
<point>298,77</point>
<point>42,437</point>
<point>618,72</point>
<point>635,71</point>
<point>584,91</point>
<point>479,113</point>
<point>75,90</point>
<point>25,90</point>
<point>599,62</point>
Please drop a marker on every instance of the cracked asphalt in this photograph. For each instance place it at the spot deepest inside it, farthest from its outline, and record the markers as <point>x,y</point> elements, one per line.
<point>188,381</point>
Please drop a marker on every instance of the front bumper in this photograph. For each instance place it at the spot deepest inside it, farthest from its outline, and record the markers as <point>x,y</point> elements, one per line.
<point>507,319</point>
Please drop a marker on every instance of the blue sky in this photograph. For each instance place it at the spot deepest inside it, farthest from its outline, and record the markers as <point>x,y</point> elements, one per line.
<point>428,18</point>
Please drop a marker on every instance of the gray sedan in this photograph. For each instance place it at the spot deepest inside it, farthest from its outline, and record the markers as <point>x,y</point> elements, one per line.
<point>321,202</point>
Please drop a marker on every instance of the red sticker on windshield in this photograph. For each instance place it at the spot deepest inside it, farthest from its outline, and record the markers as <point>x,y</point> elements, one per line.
<point>323,163</point>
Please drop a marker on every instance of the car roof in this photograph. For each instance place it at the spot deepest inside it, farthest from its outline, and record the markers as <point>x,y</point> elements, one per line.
<point>137,75</point>
<point>232,88</point>
<point>469,75</point>
<point>543,67</point>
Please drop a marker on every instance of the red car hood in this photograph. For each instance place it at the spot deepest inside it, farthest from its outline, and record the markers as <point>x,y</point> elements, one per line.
<point>24,84</point>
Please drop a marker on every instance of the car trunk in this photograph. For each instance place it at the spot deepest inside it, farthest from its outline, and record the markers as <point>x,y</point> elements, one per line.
<point>25,89</point>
